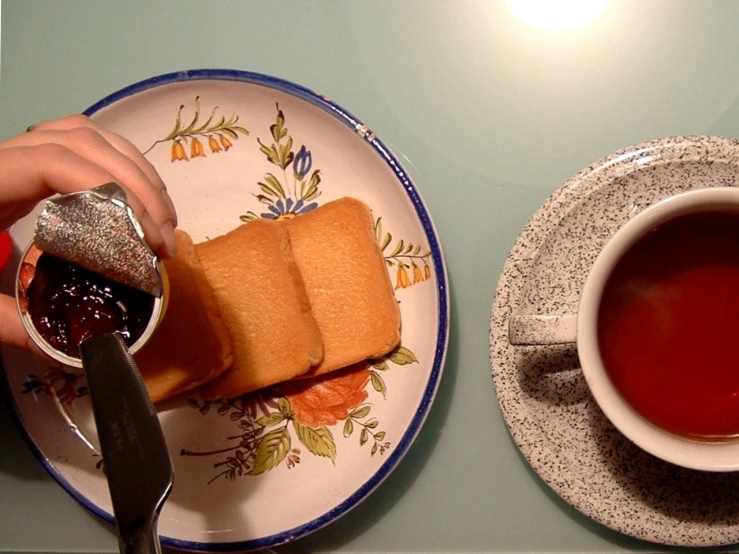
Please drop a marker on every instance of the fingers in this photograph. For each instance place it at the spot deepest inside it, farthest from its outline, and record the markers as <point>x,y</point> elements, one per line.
<point>125,147</point>
<point>12,331</point>
<point>120,160</point>
<point>30,173</point>
<point>90,145</point>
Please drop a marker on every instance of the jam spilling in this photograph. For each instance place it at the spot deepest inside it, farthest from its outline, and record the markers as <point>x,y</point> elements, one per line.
<point>69,304</point>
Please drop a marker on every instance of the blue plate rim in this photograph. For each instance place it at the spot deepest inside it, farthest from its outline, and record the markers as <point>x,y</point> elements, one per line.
<point>442,338</point>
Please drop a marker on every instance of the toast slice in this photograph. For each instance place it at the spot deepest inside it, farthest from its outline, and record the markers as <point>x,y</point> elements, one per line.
<point>264,306</point>
<point>348,286</point>
<point>191,345</point>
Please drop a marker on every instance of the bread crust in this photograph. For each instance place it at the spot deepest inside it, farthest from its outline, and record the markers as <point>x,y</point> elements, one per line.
<point>264,305</point>
<point>191,345</point>
<point>350,292</point>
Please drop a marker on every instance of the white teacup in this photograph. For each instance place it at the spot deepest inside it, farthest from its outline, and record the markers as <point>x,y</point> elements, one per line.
<point>582,328</point>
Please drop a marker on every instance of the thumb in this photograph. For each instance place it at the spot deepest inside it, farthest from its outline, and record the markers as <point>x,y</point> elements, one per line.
<point>12,331</point>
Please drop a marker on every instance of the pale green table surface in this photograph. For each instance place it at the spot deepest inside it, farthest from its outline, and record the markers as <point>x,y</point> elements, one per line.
<point>489,116</point>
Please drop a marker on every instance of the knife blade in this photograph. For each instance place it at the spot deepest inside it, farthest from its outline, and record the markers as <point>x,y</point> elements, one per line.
<point>137,464</point>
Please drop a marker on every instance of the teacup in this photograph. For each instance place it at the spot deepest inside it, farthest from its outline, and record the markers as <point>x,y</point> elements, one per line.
<point>631,339</point>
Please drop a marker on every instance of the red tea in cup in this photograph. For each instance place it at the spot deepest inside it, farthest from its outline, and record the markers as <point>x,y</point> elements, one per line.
<point>668,326</point>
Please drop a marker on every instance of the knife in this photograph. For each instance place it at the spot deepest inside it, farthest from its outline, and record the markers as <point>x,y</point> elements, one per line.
<point>137,463</point>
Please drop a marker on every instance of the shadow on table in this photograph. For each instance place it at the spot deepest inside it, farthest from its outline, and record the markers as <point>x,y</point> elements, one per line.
<point>619,540</point>
<point>614,537</point>
<point>17,458</point>
<point>368,513</point>
<point>551,377</point>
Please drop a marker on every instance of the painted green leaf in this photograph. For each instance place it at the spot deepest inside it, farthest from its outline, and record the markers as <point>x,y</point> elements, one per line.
<point>398,248</point>
<point>195,118</point>
<point>239,129</point>
<point>284,405</point>
<point>361,411</point>
<point>348,427</point>
<point>230,132</point>
<point>177,124</point>
<point>285,153</point>
<point>318,441</point>
<point>312,196</point>
<point>207,122</point>
<point>374,449</point>
<point>315,178</point>
<point>402,356</point>
<point>267,189</point>
<point>380,435</point>
<point>408,249</point>
<point>378,229</point>
<point>311,189</point>
<point>271,450</point>
<point>270,419</point>
<point>269,151</point>
<point>275,184</point>
<point>377,383</point>
<point>386,241</point>
<point>416,250</point>
<point>278,128</point>
<point>380,365</point>
<point>371,424</point>
<point>221,123</point>
<point>363,437</point>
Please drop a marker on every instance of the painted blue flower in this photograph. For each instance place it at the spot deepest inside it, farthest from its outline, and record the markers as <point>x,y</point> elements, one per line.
<point>288,209</point>
<point>302,163</point>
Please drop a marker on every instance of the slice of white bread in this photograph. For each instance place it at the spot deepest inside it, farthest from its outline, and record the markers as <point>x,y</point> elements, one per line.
<point>348,286</point>
<point>191,345</point>
<point>264,306</point>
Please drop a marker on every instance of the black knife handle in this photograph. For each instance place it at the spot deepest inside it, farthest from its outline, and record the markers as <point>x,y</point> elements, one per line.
<point>142,540</point>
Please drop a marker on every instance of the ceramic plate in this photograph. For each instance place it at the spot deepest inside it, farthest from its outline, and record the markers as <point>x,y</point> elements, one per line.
<point>235,146</point>
<point>542,393</point>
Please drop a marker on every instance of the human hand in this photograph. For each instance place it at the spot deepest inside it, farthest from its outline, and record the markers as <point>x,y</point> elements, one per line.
<point>70,155</point>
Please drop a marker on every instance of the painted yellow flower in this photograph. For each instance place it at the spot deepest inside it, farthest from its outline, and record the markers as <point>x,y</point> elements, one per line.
<point>427,272</point>
<point>196,148</point>
<point>403,280</point>
<point>226,143</point>
<point>417,274</point>
<point>178,151</point>
<point>214,146</point>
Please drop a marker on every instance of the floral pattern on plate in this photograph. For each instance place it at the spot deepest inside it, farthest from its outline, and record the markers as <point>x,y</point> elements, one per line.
<point>265,149</point>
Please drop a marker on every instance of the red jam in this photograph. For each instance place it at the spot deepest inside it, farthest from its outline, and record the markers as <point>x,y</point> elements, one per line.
<point>69,304</point>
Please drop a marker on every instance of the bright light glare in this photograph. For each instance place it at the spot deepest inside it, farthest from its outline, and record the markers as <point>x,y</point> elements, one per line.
<point>556,15</point>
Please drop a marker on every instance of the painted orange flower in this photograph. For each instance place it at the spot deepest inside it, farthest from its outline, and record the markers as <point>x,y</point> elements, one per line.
<point>326,400</point>
<point>417,274</point>
<point>403,280</point>
<point>196,149</point>
<point>226,143</point>
<point>214,146</point>
<point>178,151</point>
<point>427,272</point>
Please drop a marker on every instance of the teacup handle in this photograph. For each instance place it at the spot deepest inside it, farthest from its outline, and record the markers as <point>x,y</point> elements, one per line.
<point>542,329</point>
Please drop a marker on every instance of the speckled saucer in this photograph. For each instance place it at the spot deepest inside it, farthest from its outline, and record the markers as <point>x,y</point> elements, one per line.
<point>545,401</point>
